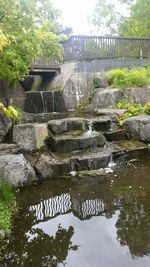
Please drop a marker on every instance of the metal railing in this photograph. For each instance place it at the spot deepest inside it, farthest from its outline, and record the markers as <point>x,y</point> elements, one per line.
<point>99,47</point>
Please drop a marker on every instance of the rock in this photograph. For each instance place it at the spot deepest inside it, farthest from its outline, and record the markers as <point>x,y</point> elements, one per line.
<point>139,127</point>
<point>65,125</point>
<point>30,136</point>
<point>69,143</point>
<point>141,95</point>
<point>106,98</point>
<point>48,167</point>
<point>16,170</point>
<point>118,134</point>
<point>90,161</point>
<point>8,149</point>
<point>5,125</point>
<point>110,111</point>
<point>99,124</point>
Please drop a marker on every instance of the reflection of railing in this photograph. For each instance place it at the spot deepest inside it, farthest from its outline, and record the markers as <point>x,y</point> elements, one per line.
<point>98,47</point>
<point>64,203</point>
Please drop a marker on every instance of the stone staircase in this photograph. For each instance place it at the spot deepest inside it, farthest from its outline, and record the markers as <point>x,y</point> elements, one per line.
<point>79,146</point>
<point>83,144</point>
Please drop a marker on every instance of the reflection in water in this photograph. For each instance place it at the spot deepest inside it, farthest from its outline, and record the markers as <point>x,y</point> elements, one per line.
<point>82,220</point>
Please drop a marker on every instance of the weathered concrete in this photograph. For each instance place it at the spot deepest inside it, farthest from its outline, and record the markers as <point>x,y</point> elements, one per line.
<point>65,125</point>
<point>5,125</point>
<point>139,127</point>
<point>106,98</point>
<point>30,136</point>
<point>69,143</point>
<point>16,170</point>
<point>48,167</point>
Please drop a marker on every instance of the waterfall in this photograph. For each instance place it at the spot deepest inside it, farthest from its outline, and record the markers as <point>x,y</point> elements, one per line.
<point>89,127</point>
<point>53,101</point>
<point>111,163</point>
<point>43,102</point>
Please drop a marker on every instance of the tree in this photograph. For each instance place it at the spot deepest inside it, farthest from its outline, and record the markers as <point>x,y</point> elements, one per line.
<point>137,24</point>
<point>122,17</point>
<point>27,32</point>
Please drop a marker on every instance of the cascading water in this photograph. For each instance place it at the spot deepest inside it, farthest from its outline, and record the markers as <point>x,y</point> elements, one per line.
<point>43,102</point>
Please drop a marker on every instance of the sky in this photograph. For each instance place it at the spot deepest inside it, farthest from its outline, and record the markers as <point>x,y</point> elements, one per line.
<point>75,14</point>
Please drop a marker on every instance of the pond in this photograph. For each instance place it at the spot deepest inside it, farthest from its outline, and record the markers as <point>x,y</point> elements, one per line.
<point>84,222</point>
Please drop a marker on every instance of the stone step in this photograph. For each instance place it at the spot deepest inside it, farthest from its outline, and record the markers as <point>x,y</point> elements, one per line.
<point>66,125</point>
<point>99,124</point>
<point>48,167</point>
<point>6,149</point>
<point>68,143</point>
<point>110,111</point>
<point>94,159</point>
<point>131,148</point>
<point>114,135</point>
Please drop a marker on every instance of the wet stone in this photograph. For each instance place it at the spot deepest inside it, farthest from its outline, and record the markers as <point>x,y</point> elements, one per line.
<point>91,161</point>
<point>119,134</point>
<point>100,124</point>
<point>65,125</point>
<point>69,143</point>
<point>47,167</point>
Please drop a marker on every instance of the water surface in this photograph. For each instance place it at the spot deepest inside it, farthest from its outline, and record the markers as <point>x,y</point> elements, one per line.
<point>90,222</point>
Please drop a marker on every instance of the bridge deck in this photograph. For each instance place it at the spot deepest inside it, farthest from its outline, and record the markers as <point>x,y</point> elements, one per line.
<point>44,68</point>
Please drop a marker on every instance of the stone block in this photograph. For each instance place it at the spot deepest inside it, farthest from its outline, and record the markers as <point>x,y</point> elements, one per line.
<point>30,136</point>
<point>48,167</point>
<point>106,98</point>
<point>66,125</point>
<point>139,127</point>
<point>16,170</point>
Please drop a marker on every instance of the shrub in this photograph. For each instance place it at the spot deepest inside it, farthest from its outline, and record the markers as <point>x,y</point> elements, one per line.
<point>129,78</point>
<point>147,108</point>
<point>116,77</point>
<point>13,113</point>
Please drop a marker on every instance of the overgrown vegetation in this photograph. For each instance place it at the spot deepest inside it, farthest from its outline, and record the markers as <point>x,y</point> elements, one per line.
<point>13,113</point>
<point>136,77</point>
<point>7,207</point>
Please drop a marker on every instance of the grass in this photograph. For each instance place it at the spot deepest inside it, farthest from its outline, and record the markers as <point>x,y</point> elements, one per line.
<point>7,207</point>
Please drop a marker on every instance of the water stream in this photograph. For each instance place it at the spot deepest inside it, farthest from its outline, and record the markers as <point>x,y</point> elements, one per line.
<point>84,222</point>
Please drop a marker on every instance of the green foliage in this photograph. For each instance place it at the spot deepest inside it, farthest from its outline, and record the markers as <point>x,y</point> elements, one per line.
<point>13,113</point>
<point>133,109</point>
<point>136,77</point>
<point>27,33</point>
<point>147,108</point>
<point>7,207</point>
<point>127,17</point>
